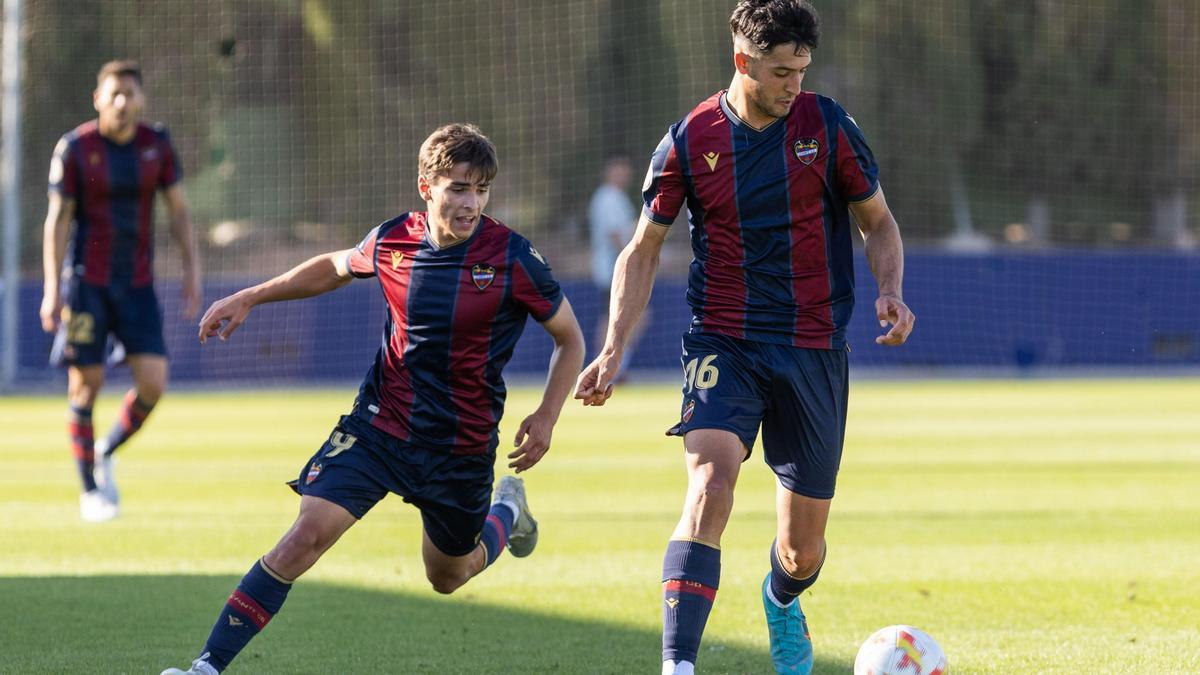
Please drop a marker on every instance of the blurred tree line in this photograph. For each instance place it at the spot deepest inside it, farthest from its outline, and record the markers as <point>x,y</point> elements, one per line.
<point>1036,122</point>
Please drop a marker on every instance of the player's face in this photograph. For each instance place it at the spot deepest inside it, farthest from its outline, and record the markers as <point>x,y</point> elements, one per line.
<point>455,201</point>
<point>773,81</point>
<point>119,101</point>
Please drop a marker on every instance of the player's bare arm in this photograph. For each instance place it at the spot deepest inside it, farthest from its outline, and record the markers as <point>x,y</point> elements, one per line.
<point>633,279</point>
<point>181,232</point>
<point>314,276</point>
<point>533,437</point>
<point>885,255</point>
<point>59,215</point>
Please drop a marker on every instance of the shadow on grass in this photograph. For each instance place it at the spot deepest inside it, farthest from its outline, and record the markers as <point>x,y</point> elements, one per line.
<point>142,624</point>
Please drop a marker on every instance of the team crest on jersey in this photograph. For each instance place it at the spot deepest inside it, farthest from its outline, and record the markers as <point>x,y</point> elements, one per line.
<point>806,149</point>
<point>313,472</point>
<point>483,275</point>
<point>687,411</point>
<point>397,257</point>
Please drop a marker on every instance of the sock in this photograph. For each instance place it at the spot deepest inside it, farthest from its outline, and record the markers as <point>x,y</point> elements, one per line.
<point>785,587</point>
<point>79,426</point>
<point>499,523</point>
<point>256,599</point>
<point>691,573</point>
<point>134,412</point>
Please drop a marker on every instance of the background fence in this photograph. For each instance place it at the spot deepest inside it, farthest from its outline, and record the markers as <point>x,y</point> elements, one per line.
<point>1040,155</point>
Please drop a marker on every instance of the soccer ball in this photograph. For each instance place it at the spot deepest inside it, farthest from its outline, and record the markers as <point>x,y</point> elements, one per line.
<point>900,650</point>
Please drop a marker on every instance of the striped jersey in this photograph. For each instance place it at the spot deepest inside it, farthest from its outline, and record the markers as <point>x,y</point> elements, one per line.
<point>769,218</point>
<point>454,316</point>
<point>113,186</point>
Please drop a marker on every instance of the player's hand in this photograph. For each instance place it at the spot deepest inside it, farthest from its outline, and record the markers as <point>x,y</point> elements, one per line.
<point>891,309</point>
<point>191,296</point>
<point>532,442</point>
<point>51,311</point>
<point>224,316</point>
<point>595,383</point>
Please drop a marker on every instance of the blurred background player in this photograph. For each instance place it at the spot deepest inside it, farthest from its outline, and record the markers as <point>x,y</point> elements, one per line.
<point>611,222</point>
<point>458,287</point>
<point>770,175</point>
<point>104,177</point>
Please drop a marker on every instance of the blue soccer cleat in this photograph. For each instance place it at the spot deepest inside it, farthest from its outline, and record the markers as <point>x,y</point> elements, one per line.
<point>791,645</point>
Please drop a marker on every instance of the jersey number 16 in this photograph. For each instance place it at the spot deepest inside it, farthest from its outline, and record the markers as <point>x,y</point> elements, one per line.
<point>701,373</point>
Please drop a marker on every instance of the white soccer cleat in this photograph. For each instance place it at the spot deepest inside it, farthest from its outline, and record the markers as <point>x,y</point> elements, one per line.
<point>94,507</point>
<point>524,535</point>
<point>102,473</point>
<point>199,667</point>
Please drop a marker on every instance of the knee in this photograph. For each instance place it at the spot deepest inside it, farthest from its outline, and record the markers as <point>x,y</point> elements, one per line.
<point>82,394</point>
<point>803,559</point>
<point>302,544</point>
<point>712,488</point>
<point>445,581</point>
<point>151,390</point>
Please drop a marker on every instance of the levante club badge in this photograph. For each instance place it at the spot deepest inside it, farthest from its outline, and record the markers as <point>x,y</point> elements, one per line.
<point>483,275</point>
<point>806,149</point>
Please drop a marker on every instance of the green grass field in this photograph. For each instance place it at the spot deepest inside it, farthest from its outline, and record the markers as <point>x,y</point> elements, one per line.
<point>1031,527</point>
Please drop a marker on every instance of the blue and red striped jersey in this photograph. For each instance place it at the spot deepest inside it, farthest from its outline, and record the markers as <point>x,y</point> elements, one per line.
<point>113,186</point>
<point>454,316</point>
<point>769,218</point>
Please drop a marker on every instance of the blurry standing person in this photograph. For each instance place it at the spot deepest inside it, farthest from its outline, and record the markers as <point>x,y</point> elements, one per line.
<point>99,275</point>
<point>611,221</point>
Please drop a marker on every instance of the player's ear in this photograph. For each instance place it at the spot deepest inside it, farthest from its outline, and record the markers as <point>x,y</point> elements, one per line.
<point>741,62</point>
<point>423,188</point>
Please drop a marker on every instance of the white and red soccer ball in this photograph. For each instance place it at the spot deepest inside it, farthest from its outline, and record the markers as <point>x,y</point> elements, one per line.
<point>900,650</point>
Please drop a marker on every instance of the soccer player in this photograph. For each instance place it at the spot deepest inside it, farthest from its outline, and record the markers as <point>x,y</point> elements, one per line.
<point>458,287</point>
<point>104,176</point>
<point>770,175</point>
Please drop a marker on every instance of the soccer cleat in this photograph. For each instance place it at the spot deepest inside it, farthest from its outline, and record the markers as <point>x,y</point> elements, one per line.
<point>94,507</point>
<point>199,667</point>
<point>102,473</point>
<point>524,535</point>
<point>791,645</point>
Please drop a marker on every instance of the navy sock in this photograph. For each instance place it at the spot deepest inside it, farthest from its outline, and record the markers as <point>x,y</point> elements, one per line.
<point>134,412</point>
<point>256,599</point>
<point>79,426</point>
<point>691,574</point>
<point>784,586</point>
<point>495,531</point>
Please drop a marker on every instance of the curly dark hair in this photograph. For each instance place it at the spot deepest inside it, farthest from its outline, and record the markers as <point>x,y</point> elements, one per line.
<point>766,24</point>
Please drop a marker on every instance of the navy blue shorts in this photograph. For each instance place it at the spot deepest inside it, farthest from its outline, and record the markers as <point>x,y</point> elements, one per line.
<point>133,315</point>
<point>359,465</point>
<point>798,395</point>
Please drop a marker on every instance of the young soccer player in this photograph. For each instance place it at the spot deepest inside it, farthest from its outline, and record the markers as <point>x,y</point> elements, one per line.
<point>770,174</point>
<point>458,287</point>
<point>104,177</point>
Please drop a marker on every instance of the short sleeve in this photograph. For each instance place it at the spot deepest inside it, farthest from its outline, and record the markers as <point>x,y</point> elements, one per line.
<point>361,259</point>
<point>857,172</point>
<point>171,172</point>
<point>663,191</point>
<point>534,287</point>
<point>64,175</point>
